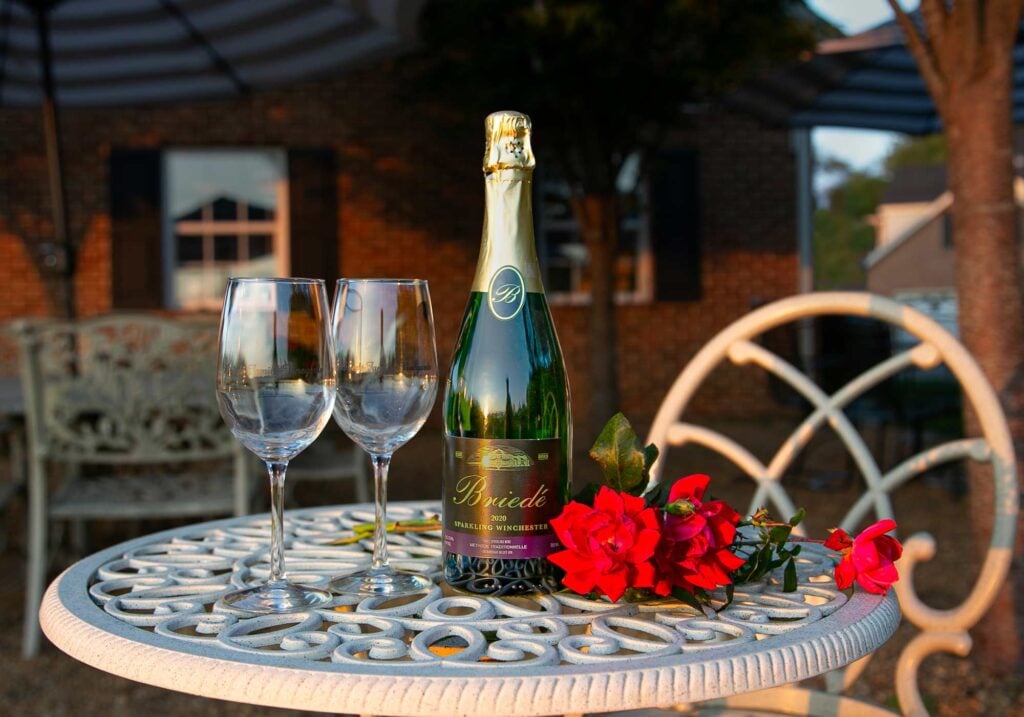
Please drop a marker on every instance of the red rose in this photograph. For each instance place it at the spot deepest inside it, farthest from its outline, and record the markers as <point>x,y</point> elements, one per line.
<point>869,558</point>
<point>696,539</point>
<point>609,546</point>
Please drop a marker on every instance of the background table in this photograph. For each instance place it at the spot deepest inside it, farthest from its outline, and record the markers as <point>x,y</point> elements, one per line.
<point>147,610</point>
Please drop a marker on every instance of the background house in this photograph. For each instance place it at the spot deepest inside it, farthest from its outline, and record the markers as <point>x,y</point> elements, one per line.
<point>913,260</point>
<point>343,177</point>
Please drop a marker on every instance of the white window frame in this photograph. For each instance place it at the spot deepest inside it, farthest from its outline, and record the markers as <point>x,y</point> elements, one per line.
<point>207,227</point>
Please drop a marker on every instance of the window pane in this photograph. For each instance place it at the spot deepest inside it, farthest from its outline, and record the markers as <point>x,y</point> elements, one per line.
<point>225,247</point>
<point>260,245</point>
<point>206,188</point>
<point>260,213</point>
<point>190,249</point>
<point>225,209</point>
<point>628,241</point>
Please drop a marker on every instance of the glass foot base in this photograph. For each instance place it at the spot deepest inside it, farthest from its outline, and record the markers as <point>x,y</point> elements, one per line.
<point>273,598</point>
<point>384,582</point>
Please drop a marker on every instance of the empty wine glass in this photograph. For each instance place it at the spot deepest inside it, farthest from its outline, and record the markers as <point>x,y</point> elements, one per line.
<point>387,381</point>
<point>275,388</point>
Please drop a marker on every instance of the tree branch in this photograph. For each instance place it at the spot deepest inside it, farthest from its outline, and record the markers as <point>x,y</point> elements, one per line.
<point>1002,21</point>
<point>935,17</point>
<point>924,52</point>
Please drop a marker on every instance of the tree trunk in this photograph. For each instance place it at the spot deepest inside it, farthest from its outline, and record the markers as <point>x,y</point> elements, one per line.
<point>991,313</point>
<point>598,217</point>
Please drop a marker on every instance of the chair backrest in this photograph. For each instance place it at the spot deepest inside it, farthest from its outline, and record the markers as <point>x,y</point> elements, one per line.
<point>123,388</point>
<point>932,346</point>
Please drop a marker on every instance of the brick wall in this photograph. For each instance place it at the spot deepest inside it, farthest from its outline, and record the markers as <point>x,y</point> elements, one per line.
<point>410,203</point>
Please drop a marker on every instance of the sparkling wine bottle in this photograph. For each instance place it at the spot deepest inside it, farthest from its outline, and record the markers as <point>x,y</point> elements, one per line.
<point>508,430</point>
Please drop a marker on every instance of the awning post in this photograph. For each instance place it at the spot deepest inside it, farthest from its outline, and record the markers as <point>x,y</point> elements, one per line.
<point>803,156</point>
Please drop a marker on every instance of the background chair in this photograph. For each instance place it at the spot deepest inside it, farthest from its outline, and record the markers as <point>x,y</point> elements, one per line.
<point>331,457</point>
<point>928,348</point>
<point>125,406</point>
<point>12,428</point>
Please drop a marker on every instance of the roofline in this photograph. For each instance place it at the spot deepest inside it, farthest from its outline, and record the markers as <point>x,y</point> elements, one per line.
<point>938,205</point>
<point>888,34</point>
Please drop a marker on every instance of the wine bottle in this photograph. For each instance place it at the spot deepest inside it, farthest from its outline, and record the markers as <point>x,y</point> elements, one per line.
<point>508,430</point>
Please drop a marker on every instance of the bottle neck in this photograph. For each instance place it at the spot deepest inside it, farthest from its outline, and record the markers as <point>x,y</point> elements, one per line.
<point>508,230</point>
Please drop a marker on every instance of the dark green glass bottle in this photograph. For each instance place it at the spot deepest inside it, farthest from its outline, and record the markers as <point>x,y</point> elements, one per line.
<point>508,430</point>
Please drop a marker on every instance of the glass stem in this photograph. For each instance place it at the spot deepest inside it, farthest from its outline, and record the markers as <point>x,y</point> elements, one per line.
<point>277,471</point>
<point>380,492</point>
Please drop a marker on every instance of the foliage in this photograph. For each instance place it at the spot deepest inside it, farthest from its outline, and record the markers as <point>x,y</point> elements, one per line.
<point>600,78</point>
<point>914,151</point>
<point>843,231</point>
<point>771,551</point>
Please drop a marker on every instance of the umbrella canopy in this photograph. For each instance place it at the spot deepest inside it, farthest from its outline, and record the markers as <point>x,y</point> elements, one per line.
<point>129,52</point>
<point>867,81</point>
<point>117,52</point>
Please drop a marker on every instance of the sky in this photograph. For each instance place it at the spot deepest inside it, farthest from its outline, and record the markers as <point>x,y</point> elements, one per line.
<point>861,149</point>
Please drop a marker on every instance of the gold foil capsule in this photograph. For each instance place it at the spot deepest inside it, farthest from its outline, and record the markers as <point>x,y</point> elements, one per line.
<point>507,142</point>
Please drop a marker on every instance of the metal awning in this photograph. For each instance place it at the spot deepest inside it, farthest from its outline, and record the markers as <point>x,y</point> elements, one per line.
<point>866,81</point>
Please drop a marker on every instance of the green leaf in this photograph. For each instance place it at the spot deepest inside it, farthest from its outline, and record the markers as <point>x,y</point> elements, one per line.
<point>698,601</point>
<point>658,495</point>
<point>650,455</point>
<point>779,534</point>
<point>790,579</point>
<point>798,517</point>
<point>621,456</point>
<point>730,592</point>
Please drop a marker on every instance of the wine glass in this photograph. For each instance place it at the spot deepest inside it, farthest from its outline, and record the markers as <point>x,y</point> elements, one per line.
<point>387,382</point>
<point>275,388</point>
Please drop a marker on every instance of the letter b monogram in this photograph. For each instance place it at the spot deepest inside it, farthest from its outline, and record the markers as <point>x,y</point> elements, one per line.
<point>506,293</point>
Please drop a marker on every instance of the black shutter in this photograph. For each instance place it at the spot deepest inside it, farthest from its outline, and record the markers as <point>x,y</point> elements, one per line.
<point>313,214</point>
<point>137,272</point>
<point>675,226</point>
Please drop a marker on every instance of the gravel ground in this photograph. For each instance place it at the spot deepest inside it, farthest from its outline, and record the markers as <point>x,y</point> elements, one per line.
<point>53,684</point>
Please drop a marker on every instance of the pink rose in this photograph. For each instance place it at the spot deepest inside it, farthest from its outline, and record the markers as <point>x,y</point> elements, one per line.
<point>696,539</point>
<point>869,558</point>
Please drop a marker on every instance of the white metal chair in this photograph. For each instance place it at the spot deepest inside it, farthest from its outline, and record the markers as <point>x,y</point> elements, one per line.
<point>126,406</point>
<point>940,630</point>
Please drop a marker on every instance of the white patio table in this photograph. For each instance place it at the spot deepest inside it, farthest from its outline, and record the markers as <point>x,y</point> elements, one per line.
<point>147,610</point>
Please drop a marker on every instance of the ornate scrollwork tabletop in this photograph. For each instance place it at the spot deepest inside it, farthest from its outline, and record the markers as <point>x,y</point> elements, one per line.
<point>148,610</point>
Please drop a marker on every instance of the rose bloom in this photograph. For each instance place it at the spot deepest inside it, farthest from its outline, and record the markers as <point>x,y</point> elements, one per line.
<point>608,547</point>
<point>869,558</point>
<point>695,545</point>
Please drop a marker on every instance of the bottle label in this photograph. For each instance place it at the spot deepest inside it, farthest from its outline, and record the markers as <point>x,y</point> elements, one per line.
<point>499,496</point>
<point>506,293</point>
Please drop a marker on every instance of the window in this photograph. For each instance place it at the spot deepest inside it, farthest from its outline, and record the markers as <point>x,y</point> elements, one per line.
<point>225,213</point>
<point>565,257</point>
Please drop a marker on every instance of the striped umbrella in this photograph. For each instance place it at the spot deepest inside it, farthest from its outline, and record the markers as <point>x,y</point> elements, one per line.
<point>120,52</point>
